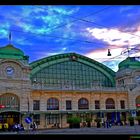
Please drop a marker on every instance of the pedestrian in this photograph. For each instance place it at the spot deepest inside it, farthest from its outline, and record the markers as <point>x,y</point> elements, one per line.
<point>21,127</point>
<point>34,126</point>
<point>16,127</point>
<point>107,123</point>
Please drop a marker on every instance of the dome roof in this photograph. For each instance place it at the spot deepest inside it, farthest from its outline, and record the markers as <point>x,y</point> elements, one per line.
<point>11,50</point>
<point>129,62</point>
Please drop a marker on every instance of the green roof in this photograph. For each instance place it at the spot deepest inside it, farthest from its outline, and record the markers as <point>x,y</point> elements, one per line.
<point>10,51</point>
<point>47,61</point>
<point>129,62</point>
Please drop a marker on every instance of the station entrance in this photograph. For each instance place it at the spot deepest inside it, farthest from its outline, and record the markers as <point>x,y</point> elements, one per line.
<point>9,108</point>
<point>10,117</point>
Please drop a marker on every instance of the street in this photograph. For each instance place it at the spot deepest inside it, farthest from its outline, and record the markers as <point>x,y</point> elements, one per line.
<point>117,130</point>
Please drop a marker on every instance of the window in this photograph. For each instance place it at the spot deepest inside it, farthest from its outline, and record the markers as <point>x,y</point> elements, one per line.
<point>52,104</point>
<point>36,105</point>
<point>10,101</point>
<point>122,102</point>
<point>97,104</point>
<point>68,105</point>
<point>110,104</point>
<point>36,118</point>
<point>70,74</point>
<point>83,104</point>
<point>53,119</point>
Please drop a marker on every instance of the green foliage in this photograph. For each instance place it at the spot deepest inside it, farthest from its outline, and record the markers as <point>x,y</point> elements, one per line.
<point>130,118</point>
<point>74,120</point>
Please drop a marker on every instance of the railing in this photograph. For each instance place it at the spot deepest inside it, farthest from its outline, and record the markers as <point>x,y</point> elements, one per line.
<point>42,87</point>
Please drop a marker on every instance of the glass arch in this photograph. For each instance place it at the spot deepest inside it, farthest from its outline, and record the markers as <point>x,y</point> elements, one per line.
<point>70,75</point>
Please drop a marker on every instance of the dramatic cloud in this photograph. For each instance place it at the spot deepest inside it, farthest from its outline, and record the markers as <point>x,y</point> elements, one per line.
<point>41,31</point>
<point>115,37</point>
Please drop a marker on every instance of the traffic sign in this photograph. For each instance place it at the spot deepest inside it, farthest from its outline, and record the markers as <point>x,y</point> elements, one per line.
<point>28,120</point>
<point>133,113</point>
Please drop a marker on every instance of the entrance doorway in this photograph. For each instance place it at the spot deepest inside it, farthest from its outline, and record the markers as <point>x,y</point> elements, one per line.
<point>111,116</point>
<point>10,117</point>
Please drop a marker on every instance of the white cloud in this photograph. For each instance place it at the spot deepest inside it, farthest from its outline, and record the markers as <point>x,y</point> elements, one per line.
<point>110,61</point>
<point>114,36</point>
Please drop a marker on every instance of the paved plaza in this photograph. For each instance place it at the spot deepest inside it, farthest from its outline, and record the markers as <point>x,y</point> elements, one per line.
<point>117,130</point>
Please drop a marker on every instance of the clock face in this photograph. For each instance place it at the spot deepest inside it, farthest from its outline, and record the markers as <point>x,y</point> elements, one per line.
<point>137,78</point>
<point>9,70</point>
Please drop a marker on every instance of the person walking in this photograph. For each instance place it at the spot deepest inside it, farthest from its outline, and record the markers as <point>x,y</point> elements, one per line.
<point>34,126</point>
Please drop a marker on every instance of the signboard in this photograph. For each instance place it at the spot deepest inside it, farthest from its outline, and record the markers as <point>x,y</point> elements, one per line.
<point>138,105</point>
<point>28,120</point>
<point>2,106</point>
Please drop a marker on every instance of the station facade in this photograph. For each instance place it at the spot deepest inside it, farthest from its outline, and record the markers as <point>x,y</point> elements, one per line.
<point>54,88</point>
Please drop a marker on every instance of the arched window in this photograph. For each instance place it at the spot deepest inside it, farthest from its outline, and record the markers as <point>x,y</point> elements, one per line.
<point>83,104</point>
<point>9,101</point>
<point>52,104</point>
<point>110,104</point>
<point>138,102</point>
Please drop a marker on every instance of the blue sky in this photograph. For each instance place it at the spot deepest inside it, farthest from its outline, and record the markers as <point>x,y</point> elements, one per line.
<point>89,30</point>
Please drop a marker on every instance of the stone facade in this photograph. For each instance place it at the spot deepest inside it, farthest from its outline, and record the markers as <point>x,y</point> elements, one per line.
<point>16,81</point>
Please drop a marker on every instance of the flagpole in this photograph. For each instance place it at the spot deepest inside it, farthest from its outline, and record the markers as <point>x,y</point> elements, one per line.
<point>9,37</point>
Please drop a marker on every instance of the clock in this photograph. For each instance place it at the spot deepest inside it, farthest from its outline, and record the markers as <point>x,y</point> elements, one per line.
<point>137,78</point>
<point>9,70</point>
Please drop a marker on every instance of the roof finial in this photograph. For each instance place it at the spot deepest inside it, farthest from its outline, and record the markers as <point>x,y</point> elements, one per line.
<point>10,37</point>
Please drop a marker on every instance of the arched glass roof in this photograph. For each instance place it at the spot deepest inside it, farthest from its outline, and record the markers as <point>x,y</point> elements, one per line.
<point>71,70</point>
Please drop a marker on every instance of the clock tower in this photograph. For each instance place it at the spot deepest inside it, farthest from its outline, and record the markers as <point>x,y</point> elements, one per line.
<point>15,85</point>
<point>128,77</point>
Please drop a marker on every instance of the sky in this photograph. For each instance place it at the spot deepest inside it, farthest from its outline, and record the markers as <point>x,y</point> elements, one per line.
<point>90,30</point>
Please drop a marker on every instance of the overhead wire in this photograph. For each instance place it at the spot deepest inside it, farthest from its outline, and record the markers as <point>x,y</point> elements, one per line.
<point>77,19</point>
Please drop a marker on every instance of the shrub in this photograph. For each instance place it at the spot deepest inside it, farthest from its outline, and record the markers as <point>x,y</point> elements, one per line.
<point>130,118</point>
<point>74,120</point>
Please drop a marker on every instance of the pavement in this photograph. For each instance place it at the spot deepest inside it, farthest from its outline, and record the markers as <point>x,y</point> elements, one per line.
<point>117,130</point>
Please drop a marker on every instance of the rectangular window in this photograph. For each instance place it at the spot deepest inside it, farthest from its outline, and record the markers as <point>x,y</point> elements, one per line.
<point>68,105</point>
<point>53,119</point>
<point>36,119</point>
<point>97,104</point>
<point>122,102</point>
<point>36,105</point>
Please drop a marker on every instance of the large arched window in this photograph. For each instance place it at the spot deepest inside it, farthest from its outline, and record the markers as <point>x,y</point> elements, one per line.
<point>138,102</point>
<point>110,104</point>
<point>9,102</point>
<point>83,104</point>
<point>70,74</point>
<point>52,104</point>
